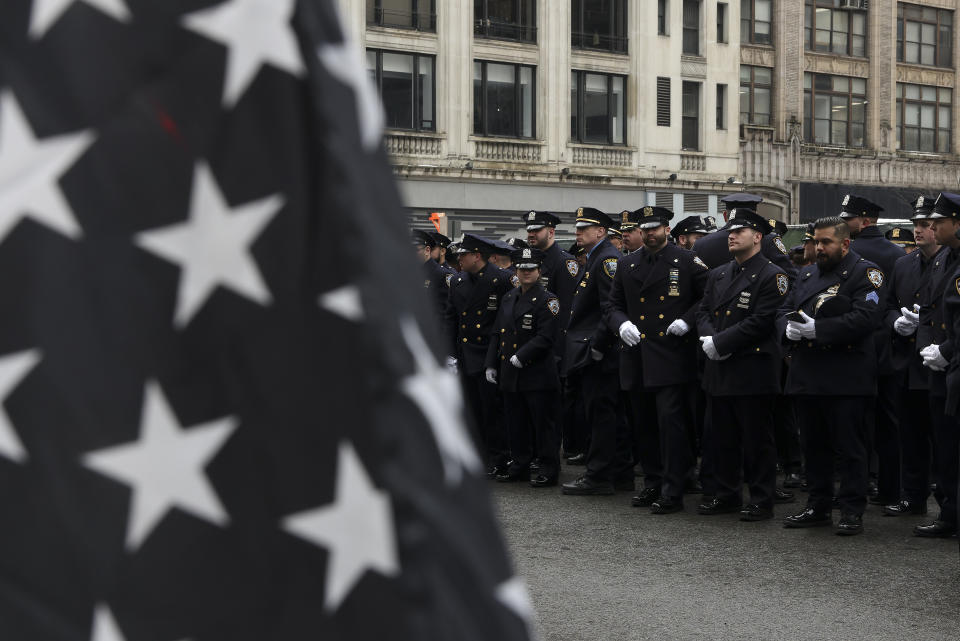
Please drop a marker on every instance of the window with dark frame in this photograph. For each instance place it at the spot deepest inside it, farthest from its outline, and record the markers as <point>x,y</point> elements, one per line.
<point>834,109</point>
<point>690,129</point>
<point>691,27</point>
<point>505,19</point>
<point>598,108</point>
<point>830,29</point>
<point>504,99</point>
<point>924,35</point>
<point>663,102</point>
<point>721,22</point>
<point>924,117</point>
<point>663,17</point>
<point>721,106</point>
<point>406,84</point>
<point>403,14</point>
<point>756,86</point>
<point>599,24</point>
<point>756,19</point>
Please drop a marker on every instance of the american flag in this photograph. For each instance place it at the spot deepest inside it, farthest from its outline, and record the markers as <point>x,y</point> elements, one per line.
<point>218,421</point>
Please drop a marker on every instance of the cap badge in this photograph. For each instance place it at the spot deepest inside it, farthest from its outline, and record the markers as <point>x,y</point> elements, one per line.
<point>846,200</point>
<point>920,201</point>
<point>526,253</point>
<point>625,216</point>
<point>896,232</point>
<point>648,211</point>
<point>532,215</point>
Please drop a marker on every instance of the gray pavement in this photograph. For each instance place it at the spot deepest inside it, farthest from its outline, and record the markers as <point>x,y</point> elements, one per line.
<point>600,569</point>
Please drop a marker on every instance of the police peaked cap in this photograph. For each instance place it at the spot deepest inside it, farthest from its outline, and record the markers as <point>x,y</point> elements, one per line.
<point>900,236</point>
<point>856,206</point>
<point>747,218</point>
<point>649,217</point>
<point>439,239</point>
<point>588,216</point>
<point>741,201</point>
<point>473,243</point>
<point>691,225</point>
<point>947,205</point>
<point>538,219</point>
<point>527,258</point>
<point>422,238</point>
<point>778,226</point>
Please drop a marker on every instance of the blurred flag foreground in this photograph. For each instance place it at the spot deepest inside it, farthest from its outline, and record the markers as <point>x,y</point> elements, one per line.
<point>222,416</point>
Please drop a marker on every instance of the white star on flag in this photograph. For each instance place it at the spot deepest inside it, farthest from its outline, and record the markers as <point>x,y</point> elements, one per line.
<point>13,369</point>
<point>30,169</point>
<point>212,246</point>
<point>47,12</point>
<point>357,529</point>
<point>344,302</point>
<point>514,596</point>
<point>437,393</point>
<point>343,62</point>
<point>255,32</point>
<point>164,467</point>
<point>105,627</point>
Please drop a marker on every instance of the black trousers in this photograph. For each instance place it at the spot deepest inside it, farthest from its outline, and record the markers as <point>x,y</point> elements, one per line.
<point>608,455</point>
<point>883,429</point>
<point>486,408</point>
<point>576,437</point>
<point>916,444</point>
<point>833,431</point>
<point>742,440</point>
<point>661,419</point>
<point>532,418</point>
<point>947,452</point>
<point>786,434</point>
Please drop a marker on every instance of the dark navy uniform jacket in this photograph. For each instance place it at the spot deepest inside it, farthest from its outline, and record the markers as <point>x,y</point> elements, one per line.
<point>842,359</point>
<point>910,274</point>
<point>436,280</point>
<point>471,311</point>
<point>712,249</point>
<point>585,327</point>
<point>933,324</point>
<point>560,273</point>
<point>951,313</point>
<point>652,291</point>
<point>526,326</point>
<point>739,309</point>
<point>872,245</point>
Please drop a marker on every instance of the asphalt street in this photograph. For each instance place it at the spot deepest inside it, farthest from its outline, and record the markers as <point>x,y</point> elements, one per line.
<point>600,569</point>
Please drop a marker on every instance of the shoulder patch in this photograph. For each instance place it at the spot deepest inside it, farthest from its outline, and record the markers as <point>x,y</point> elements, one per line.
<point>783,284</point>
<point>610,267</point>
<point>696,260</point>
<point>553,305</point>
<point>573,268</point>
<point>514,280</point>
<point>779,243</point>
<point>875,276</point>
<point>449,278</point>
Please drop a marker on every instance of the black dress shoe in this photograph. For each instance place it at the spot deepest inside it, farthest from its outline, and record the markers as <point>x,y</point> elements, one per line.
<point>496,470</point>
<point>754,512</point>
<point>850,524</point>
<point>717,506</point>
<point>905,507</point>
<point>808,518</point>
<point>783,496</point>
<point>586,486</point>
<point>543,481</point>
<point>512,476</point>
<point>666,505</point>
<point>646,497</point>
<point>936,530</point>
<point>577,459</point>
<point>792,480</point>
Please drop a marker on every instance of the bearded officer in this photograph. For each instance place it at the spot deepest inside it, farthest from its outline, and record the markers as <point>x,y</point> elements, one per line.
<point>652,307</point>
<point>590,358</point>
<point>736,322</point>
<point>828,320</point>
<point>688,231</point>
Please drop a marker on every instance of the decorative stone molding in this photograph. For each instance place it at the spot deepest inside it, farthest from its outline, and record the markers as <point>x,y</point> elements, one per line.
<point>413,144</point>
<point>693,162</point>
<point>925,76</point>
<point>693,67</point>
<point>758,56</point>
<point>855,67</point>
<point>508,151</point>
<point>601,156</point>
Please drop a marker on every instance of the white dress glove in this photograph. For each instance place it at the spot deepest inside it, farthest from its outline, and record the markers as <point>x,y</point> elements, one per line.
<point>629,333</point>
<point>678,327</point>
<point>933,359</point>
<point>491,375</point>
<point>807,329</point>
<point>516,362</point>
<point>596,354</point>
<point>912,315</point>
<point>452,364</point>
<point>904,326</point>
<point>706,343</point>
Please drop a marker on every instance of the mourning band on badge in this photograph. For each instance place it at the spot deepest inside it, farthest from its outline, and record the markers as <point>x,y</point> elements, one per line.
<point>492,302</point>
<point>674,286</point>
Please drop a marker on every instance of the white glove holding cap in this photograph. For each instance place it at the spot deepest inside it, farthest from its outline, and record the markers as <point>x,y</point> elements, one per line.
<point>807,329</point>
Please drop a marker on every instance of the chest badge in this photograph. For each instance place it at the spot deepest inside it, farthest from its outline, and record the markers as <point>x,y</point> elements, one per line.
<point>492,302</point>
<point>783,284</point>
<point>527,321</point>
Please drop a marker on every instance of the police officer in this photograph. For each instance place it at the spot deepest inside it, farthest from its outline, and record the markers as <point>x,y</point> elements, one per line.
<point>435,279</point>
<point>829,318</point>
<point>472,308</point>
<point>689,230</point>
<point>590,358</point>
<point>439,252</point>
<point>936,349</point>
<point>736,322</point>
<point>909,277</point>
<point>615,236</point>
<point>652,307</point>
<point>809,246</point>
<point>521,357</point>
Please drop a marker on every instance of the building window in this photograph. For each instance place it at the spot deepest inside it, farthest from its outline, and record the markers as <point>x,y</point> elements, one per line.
<point>503,100</point>
<point>923,118</point>
<point>721,106</point>
<point>405,14</point>
<point>755,21</point>
<point>690,135</point>
<point>663,17</point>
<point>834,109</point>
<point>721,22</point>
<point>505,19</point>
<point>599,24</point>
<point>691,27</point>
<point>924,35</point>
<point>663,102</point>
<point>832,30</point>
<point>406,85</point>
<point>598,108</point>
<point>755,87</point>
